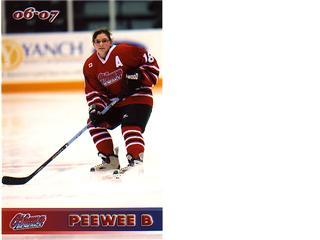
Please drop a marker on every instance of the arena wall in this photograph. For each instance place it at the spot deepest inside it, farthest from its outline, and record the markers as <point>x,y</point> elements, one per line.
<point>54,61</point>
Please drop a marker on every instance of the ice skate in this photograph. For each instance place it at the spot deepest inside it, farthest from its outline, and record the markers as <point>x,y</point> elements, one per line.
<point>134,165</point>
<point>110,162</point>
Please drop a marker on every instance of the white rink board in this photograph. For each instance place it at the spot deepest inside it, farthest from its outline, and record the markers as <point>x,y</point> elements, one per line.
<point>51,57</point>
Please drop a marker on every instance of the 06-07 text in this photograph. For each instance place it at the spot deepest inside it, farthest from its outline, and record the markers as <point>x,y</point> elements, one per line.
<point>30,12</point>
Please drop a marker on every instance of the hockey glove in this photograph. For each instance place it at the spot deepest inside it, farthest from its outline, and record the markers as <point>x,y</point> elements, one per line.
<point>95,115</point>
<point>134,80</point>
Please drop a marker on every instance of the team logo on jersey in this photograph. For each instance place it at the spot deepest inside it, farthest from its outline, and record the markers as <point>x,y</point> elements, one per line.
<point>23,221</point>
<point>107,78</point>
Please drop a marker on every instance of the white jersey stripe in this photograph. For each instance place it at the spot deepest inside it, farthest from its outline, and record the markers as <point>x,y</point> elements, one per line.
<point>136,131</point>
<point>95,92</point>
<point>96,98</point>
<point>94,128</point>
<point>98,134</point>
<point>150,66</point>
<point>146,76</point>
<point>134,137</point>
<point>155,76</point>
<point>141,95</point>
<point>136,143</point>
<point>103,139</point>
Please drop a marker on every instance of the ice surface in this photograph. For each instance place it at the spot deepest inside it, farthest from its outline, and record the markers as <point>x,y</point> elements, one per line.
<point>35,126</point>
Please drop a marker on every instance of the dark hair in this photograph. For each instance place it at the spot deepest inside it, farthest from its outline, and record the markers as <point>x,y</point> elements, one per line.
<point>99,31</point>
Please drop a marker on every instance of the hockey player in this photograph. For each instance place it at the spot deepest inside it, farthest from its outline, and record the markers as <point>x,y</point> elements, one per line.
<point>128,72</point>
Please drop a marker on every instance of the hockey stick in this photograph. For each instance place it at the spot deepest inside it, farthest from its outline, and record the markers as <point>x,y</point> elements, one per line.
<point>22,180</point>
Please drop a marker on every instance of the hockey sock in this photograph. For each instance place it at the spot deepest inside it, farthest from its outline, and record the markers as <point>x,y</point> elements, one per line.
<point>102,139</point>
<point>133,140</point>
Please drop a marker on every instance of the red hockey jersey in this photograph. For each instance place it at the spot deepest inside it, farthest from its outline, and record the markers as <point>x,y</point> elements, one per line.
<point>105,78</point>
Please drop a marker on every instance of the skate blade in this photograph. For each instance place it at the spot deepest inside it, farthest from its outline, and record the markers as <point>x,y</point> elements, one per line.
<point>102,169</point>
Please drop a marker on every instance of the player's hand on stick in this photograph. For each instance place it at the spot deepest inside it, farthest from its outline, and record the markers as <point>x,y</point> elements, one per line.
<point>134,80</point>
<point>95,114</point>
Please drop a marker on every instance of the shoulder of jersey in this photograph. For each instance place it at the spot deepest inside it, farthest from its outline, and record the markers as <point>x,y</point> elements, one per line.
<point>123,47</point>
<point>90,60</point>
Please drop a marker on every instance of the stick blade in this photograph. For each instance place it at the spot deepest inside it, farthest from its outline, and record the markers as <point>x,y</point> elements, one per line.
<point>14,181</point>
